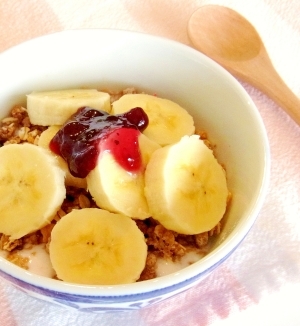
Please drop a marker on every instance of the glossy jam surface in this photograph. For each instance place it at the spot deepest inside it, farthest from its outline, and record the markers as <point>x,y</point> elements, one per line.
<point>89,131</point>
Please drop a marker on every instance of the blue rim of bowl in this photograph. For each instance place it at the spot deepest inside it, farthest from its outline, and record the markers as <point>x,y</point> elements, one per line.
<point>110,299</point>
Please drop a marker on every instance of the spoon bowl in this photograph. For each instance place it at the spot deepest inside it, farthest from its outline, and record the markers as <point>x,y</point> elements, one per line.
<point>229,39</point>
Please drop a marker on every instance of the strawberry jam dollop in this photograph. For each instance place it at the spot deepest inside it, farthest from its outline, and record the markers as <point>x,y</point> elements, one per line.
<point>88,132</point>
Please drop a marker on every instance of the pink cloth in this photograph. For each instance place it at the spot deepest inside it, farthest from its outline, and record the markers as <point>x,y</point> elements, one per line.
<point>260,283</point>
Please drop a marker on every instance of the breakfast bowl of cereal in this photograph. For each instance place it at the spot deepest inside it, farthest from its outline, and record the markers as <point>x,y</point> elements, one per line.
<point>131,167</point>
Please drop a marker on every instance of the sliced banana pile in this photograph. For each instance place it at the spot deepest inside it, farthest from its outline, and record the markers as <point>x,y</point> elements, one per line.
<point>181,185</point>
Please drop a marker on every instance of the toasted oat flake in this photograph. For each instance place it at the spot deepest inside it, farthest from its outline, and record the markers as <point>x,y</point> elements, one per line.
<point>23,133</point>
<point>9,244</point>
<point>17,259</point>
<point>84,202</point>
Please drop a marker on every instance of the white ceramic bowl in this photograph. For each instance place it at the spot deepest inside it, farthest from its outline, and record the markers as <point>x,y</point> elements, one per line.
<point>218,103</point>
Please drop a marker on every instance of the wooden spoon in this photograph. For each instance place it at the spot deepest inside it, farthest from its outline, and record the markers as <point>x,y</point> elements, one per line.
<point>229,39</point>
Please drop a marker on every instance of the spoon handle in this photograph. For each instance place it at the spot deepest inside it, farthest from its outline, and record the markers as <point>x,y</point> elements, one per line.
<point>260,73</point>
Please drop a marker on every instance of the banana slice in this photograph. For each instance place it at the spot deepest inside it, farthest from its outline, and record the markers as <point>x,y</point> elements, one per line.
<point>56,107</point>
<point>100,248</point>
<point>31,189</point>
<point>44,141</point>
<point>168,121</point>
<point>186,187</point>
<point>117,190</point>
<point>147,147</point>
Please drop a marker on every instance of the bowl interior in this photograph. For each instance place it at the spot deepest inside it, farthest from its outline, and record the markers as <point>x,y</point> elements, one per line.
<point>118,59</point>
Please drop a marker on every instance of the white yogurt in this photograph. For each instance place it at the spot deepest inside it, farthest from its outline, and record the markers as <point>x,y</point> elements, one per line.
<point>165,267</point>
<point>39,260</point>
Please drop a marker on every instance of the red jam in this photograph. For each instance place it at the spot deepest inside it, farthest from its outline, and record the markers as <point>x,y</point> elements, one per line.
<point>89,132</point>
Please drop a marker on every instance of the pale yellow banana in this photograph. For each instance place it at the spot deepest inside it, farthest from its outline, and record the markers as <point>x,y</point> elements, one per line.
<point>44,141</point>
<point>117,190</point>
<point>56,107</point>
<point>168,121</point>
<point>31,189</point>
<point>96,247</point>
<point>186,187</point>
